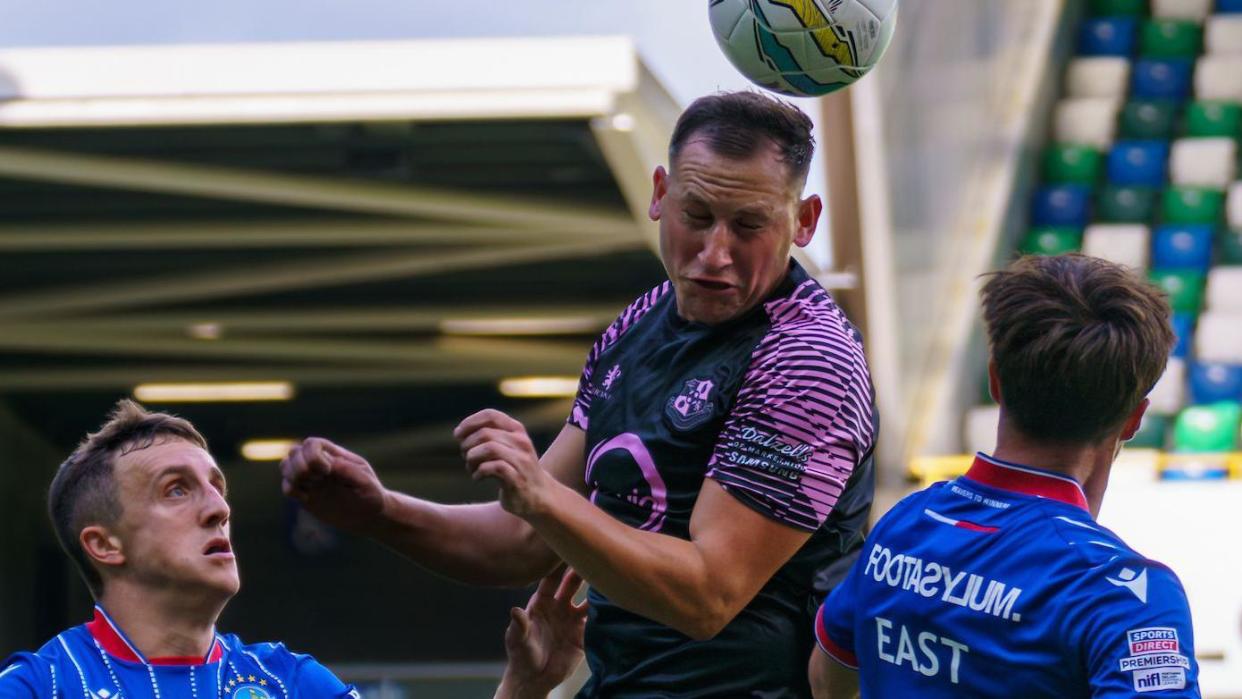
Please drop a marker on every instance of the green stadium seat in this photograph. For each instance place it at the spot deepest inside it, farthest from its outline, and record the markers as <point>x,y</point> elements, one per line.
<point>1192,205</point>
<point>1208,428</point>
<point>1068,163</point>
<point>1214,118</point>
<point>1151,434</point>
<point>1051,240</point>
<point>1170,38</point>
<point>1185,288</point>
<point>1125,204</point>
<point>1229,248</point>
<point>1117,8</point>
<point>1147,120</point>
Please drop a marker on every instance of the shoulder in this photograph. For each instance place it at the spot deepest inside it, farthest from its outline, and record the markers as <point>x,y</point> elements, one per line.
<point>636,311</point>
<point>32,674</point>
<point>809,314</point>
<point>1112,573</point>
<point>300,669</point>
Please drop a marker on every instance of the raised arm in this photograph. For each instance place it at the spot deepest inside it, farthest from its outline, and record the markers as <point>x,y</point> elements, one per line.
<point>479,544</point>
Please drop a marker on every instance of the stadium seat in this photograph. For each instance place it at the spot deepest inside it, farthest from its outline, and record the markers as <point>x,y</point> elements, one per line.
<point>1184,328</point>
<point>1161,78</point>
<point>1224,289</point>
<point>1152,433</point>
<point>1141,163</point>
<point>1147,119</point>
<point>1117,8</point>
<point>1051,240</point>
<point>1229,248</point>
<point>1194,10</point>
<point>1167,396</point>
<point>1090,121</point>
<point>1207,428</point>
<point>1216,77</point>
<point>1215,118</point>
<point>980,429</point>
<point>1218,337</point>
<point>1192,205</point>
<point>1182,246</point>
<point>1160,38</point>
<point>1223,34</point>
<point>1061,205</point>
<point>1185,289</point>
<point>1123,243</point>
<point>1119,204</point>
<point>1228,6</point>
<point>1107,36</point>
<point>1068,163</point>
<point>1103,76</point>
<point>1233,209</point>
<point>1212,382</point>
<point>1203,162</point>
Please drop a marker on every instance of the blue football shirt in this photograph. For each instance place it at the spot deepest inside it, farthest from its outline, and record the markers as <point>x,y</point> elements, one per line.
<point>97,661</point>
<point>1000,583</point>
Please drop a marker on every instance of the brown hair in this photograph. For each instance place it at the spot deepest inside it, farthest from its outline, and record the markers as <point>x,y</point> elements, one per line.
<point>84,490</point>
<point>1078,343</point>
<point>734,124</point>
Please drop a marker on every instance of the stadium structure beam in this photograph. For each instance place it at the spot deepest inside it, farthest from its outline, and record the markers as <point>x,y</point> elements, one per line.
<point>544,414</point>
<point>357,196</point>
<point>330,270</point>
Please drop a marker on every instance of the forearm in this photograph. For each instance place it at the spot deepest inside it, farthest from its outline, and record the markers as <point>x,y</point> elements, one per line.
<point>661,577</point>
<point>479,544</point>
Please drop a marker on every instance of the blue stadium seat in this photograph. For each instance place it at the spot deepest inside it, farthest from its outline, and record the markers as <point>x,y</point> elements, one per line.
<point>1211,382</point>
<point>1060,205</point>
<point>1107,36</point>
<point>1184,328</point>
<point>1141,163</point>
<point>1182,246</point>
<point>1167,78</point>
<point>1228,6</point>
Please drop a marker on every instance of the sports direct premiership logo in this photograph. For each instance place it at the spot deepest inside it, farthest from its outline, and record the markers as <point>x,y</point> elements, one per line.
<point>691,406</point>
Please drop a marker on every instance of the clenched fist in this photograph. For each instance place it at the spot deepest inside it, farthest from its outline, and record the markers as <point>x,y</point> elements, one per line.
<point>334,484</point>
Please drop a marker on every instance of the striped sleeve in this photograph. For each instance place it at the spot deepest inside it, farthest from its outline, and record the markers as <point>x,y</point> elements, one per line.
<point>579,416</point>
<point>801,423</point>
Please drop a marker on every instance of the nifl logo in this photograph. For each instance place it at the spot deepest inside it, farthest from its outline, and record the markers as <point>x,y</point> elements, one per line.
<point>692,406</point>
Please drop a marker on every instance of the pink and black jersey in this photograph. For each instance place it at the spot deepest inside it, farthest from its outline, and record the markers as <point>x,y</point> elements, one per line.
<point>777,407</point>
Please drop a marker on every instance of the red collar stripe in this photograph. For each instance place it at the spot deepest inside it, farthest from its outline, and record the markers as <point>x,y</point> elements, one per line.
<point>117,644</point>
<point>1026,480</point>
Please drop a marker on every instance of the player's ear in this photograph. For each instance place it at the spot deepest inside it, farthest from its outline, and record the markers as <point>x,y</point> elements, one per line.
<point>659,187</point>
<point>102,546</point>
<point>1134,421</point>
<point>809,210</point>
<point>993,382</point>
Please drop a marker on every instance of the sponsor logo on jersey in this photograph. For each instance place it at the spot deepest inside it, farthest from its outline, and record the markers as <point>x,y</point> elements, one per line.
<point>692,406</point>
<point>931,579</point>
<point>1156,639</point>
<point>1154,660</point>
<point>1156,680</point>
<point>1132,581</point>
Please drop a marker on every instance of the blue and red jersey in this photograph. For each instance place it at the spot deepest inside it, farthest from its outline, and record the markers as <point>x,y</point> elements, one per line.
<point>1000,583</point>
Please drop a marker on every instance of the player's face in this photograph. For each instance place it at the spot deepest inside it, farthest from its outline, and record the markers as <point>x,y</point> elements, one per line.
<point>726,227</point>
<point>174,524</point>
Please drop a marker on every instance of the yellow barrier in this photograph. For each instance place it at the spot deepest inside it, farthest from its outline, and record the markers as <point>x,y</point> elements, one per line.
<point>926,470</point>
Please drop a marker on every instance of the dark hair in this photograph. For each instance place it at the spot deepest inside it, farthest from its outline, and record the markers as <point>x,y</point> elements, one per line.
<point>84,490</point>
<point>734,124</point>
<point>1078,343</point>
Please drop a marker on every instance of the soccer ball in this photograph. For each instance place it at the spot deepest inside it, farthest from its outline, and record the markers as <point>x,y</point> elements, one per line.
<point>803,48</point>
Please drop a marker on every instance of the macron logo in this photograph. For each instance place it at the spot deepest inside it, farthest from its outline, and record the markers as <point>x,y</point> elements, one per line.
<point>1134,582</point>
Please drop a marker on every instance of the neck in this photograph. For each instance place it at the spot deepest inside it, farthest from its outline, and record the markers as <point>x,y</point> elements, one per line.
<point>162,623</point>
<point>1089,464</point>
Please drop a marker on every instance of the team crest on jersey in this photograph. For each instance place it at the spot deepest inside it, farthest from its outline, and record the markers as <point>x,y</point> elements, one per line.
<point>692,406</point>
<point>250,691</point>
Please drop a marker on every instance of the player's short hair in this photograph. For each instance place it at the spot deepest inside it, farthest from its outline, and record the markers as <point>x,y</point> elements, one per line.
<point>735,124</point>
<point>84,490</point>
<point>1078,343</point>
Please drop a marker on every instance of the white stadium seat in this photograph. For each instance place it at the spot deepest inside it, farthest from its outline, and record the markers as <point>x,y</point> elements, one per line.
<point>1224,289</point>
<point>1219,78</point>
<point>1223,34</point>
<point>1195,10</point>
<point>1103,76</point>
<point>979,432</point>
<point>1218,337</point>
<point>1233,206</point>
<point>1088,121</point>
<point>1124,243</point>
<point>1169,393</point>
<point>1203,162</point>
